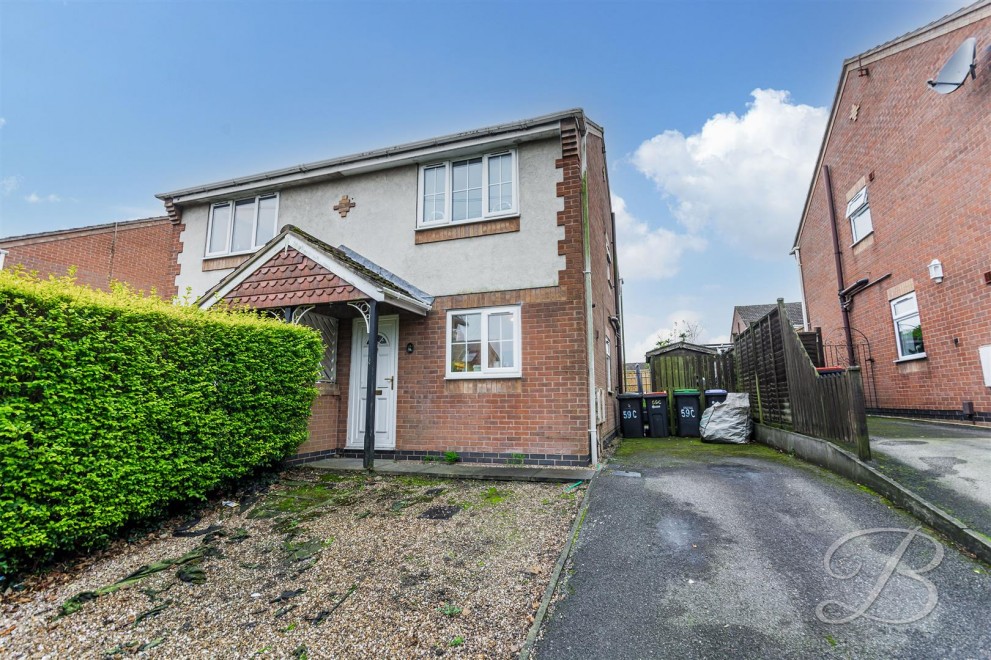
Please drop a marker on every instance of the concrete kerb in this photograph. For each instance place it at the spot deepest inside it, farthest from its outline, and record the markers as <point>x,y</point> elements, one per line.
<point>538,619</point>
<point>455,471</point>
<point>829,456</point>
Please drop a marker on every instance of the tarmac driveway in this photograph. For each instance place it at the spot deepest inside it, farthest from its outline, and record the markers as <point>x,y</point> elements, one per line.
<point>950,465</point>
<point>713,551</point>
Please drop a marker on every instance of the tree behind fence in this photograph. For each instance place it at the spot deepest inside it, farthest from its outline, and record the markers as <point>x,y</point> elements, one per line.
<point>785,388</point>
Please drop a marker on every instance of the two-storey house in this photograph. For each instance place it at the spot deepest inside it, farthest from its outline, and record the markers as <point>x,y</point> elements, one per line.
<point>893,243</point>
<point>482,262</point>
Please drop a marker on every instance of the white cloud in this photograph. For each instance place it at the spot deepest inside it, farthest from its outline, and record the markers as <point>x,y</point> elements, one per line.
<point>742,177</point>
<point>3,122</point>
<point>35,198</point>
<point>9,184</point>
<point>649,253</point>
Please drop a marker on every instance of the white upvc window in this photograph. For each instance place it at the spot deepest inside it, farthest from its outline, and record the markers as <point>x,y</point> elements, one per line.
<point>859,212</point>
<point>242,225</point>
<point>484,343</point>
<point>908,327</point>
<point>468,189</point>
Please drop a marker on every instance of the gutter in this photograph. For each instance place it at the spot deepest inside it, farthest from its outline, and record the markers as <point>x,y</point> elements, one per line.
<point>797,251</point>
<point>532,128</point>
<point>593,435</point>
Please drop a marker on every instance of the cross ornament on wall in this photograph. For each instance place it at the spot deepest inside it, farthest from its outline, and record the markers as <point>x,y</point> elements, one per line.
<point>344,206</point>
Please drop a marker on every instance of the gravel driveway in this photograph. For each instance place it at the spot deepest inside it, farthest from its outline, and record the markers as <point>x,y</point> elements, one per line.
<point>322,566</point>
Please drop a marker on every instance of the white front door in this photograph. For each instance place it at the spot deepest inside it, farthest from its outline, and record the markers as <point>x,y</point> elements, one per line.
<point>385,386</point>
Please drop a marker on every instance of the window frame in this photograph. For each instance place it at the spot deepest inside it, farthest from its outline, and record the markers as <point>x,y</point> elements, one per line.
<point>854,213</point>
<point>486,371</point>
<point>894,321</point>
<point>230,225</point>
<point>448,166</point>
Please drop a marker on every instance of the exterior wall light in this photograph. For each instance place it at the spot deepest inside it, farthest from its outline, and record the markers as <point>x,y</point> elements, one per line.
<point>936,271</point>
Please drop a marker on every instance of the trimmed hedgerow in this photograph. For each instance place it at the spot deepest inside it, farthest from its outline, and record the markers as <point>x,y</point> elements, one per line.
<point>113,405</point>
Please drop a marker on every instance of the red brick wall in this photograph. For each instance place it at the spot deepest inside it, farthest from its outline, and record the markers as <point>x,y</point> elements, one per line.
<point>926,161</point>
<point>602,242</point>
<point>139,253</point>
<point>544,413</point>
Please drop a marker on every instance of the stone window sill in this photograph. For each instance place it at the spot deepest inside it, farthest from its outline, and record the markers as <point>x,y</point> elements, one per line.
<point>911,358</point>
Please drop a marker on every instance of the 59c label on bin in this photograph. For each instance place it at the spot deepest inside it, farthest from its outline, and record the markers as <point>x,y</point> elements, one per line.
<point>629,414</point>
<point>688,411</point>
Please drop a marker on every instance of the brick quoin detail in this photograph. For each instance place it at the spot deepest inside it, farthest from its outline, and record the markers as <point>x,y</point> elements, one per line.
<point>544,414</point>
<point>925,159</point>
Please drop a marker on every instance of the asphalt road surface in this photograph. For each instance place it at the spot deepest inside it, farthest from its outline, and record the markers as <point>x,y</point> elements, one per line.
<point>950,465</point>
<point>714,551</point>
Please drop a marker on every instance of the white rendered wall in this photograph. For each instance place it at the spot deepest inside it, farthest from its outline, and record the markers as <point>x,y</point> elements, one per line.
<point>382,227</point>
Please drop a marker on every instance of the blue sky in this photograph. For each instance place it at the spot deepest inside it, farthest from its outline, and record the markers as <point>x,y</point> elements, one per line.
<point>102,105</point>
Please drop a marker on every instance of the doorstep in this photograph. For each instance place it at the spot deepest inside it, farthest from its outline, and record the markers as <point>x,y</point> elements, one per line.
<point>457,470</point>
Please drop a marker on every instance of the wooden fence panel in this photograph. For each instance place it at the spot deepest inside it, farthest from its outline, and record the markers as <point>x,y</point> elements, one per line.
<point>671,372</point>
<point>777,368</point>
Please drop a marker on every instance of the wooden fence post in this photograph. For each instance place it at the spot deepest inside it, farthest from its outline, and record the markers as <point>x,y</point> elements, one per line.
<point>858,414</point>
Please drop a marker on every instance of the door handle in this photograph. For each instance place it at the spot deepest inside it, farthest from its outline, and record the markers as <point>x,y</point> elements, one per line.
<point>392,382</point>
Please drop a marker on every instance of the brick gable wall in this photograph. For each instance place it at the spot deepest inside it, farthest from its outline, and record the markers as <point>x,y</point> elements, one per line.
<point>925,160</point>
<point>602,243</point>
<point>139,253</point>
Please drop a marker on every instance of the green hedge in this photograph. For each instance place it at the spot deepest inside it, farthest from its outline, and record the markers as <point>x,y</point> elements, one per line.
<point>113,405</point>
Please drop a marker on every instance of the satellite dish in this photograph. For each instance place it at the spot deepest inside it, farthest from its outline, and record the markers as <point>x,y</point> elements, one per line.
<point>953,74</point>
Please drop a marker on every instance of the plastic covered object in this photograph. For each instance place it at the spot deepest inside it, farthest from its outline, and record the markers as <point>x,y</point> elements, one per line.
<point>727,422</point>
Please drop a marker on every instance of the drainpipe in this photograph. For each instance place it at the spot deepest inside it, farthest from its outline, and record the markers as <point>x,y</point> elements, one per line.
<point>622,326</point>
<point>373,347</point>
<point>841,290</point>
<point>801,285</point>
<point>3,254</point>
<point>593,435</point>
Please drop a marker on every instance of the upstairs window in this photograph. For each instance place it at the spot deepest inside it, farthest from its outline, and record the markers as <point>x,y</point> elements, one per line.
<point>242,225</point>
<point>908,327</point>
<point>468,189</point>
<point>859,213</point>
<point>484,343</point>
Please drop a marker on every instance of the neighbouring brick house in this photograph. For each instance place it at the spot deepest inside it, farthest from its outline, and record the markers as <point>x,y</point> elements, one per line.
<point>141,253</point>
<point>908,174</point>
<point>487,260</point>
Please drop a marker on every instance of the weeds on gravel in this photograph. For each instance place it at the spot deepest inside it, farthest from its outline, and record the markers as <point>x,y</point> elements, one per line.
<point>449,610</point>
<point>457,641</point>
<point>492,495</point>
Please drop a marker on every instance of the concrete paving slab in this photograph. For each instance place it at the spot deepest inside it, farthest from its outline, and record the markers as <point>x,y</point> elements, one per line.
<point>458,470</point>
<point>724,551</point>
